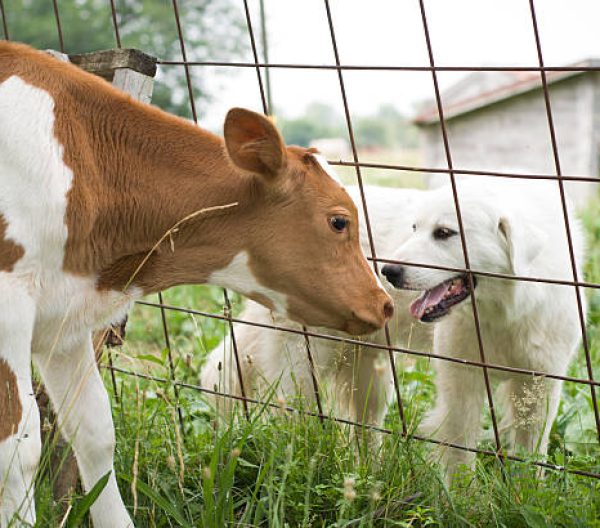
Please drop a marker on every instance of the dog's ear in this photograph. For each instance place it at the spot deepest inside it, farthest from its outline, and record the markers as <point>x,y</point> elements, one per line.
<point>524,243</point>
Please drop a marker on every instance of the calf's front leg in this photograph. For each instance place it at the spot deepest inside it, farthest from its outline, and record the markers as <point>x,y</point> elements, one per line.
<point>81,403</point>
<point>19,416</point>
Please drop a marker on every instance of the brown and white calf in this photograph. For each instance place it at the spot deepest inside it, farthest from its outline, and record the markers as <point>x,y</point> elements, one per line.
<point>90,180</point>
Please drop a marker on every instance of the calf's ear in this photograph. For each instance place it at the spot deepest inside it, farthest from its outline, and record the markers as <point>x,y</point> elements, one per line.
<point>253,143</point>
<point>524,243</point>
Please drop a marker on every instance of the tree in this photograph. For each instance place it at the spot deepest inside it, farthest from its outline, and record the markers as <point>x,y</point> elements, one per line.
<point>387,128</point>
<point>318,121</point>
<point>402,133</point>
<point>372,132</point>
<point>213,29</point>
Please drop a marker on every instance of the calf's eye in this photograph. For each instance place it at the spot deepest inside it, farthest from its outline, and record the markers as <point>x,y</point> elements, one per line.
<point>338,223</point>
<point>443,233</point>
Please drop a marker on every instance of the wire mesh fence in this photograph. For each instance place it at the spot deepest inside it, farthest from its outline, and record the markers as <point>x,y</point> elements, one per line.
<point>393,352</point>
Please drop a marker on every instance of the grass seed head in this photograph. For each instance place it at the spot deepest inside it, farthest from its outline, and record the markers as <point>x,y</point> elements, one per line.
<point>281,401</point>
<point>349,494</point>
<point>171,462</point>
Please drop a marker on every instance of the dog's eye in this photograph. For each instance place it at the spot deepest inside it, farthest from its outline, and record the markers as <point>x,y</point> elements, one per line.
<point>338,223</point>
<point>414,227</point>
<point>442,233</point>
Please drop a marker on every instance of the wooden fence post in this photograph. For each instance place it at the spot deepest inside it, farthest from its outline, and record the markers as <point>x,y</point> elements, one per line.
<point>130,70</point>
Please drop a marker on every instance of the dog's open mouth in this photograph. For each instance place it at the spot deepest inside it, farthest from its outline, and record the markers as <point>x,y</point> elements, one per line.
<point>436,302</point>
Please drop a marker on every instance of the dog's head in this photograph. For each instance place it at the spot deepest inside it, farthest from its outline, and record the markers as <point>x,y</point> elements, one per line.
<point>496,239</point>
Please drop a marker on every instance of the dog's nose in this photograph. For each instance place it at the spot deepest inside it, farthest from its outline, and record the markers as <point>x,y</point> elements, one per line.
<point>394,274</point>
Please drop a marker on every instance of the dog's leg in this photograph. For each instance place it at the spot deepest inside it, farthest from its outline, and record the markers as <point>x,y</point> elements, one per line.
<point>219,374</point>
<point>456,416</point>
<point>371,386</point>
<point>20,442</point>
<point>73,382</point>
<point>533,405</point>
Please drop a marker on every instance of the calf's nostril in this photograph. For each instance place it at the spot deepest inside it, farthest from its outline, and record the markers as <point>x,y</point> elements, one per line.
<point>394,274</point>
<point>388,310</point>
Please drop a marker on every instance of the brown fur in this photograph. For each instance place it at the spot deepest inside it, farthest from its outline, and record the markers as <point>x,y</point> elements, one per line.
<point>10,404</point>
<point>138,170</point>
<point>10,253</point>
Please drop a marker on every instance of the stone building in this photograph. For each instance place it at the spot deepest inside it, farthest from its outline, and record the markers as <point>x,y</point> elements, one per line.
<point>497,121</point>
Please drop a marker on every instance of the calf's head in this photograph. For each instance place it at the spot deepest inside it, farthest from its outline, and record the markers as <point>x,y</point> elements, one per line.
<point>302,255</point>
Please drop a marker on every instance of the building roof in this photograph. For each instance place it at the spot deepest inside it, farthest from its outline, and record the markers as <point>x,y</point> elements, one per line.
<point>484,88</point>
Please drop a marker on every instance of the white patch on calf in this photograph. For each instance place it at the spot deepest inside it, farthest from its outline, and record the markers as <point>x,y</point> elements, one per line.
<point>48,312</point>
<point>238,276</point>
<point>72,306</point>
<point>34,181</point>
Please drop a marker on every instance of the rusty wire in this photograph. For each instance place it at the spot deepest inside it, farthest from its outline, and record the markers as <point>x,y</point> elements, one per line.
<point>565,209</point>
<point>267,111</point>
<point>492,274</point>
<point>61,40</point>
<point>163,317</point>
<point>371,67</point>
<point>227,302</point>
<point>113,11</point>
<point>543,70</point>
<point>238,365</point>
<point>469,172</point>
<point>261,87</point>
<point>4,22</point>
<point>188,76</point>
<point>313,374</point>
<point>364,203</point>
<point>362,425</point>
<point>461,228</point>
<point>369,344</point>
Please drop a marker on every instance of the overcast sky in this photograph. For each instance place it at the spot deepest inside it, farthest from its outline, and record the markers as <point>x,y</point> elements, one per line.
<point>390,32</point>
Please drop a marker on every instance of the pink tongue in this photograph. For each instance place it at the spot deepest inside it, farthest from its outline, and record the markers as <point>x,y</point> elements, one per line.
<point>429,298</point>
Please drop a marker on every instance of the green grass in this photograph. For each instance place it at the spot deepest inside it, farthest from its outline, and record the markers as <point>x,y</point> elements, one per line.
<point>290,470</point>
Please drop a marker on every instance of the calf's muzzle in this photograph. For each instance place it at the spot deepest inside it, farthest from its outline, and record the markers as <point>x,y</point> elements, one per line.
<point>373,316</point>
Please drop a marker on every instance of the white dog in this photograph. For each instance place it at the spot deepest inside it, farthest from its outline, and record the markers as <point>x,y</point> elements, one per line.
<point>515,228</point>
<point>357,381</point>
<point>511,227</point>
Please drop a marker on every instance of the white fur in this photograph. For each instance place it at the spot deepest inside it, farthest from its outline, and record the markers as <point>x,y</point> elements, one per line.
<point>328,169</point>
<point>511,227</point>
<point>238,276</point>
<point>48,314</point>
<point>357,379</point>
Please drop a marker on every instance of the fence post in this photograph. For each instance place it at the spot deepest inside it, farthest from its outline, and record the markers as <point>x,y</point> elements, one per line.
<point>130,70</point>
<point>133,72</point>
